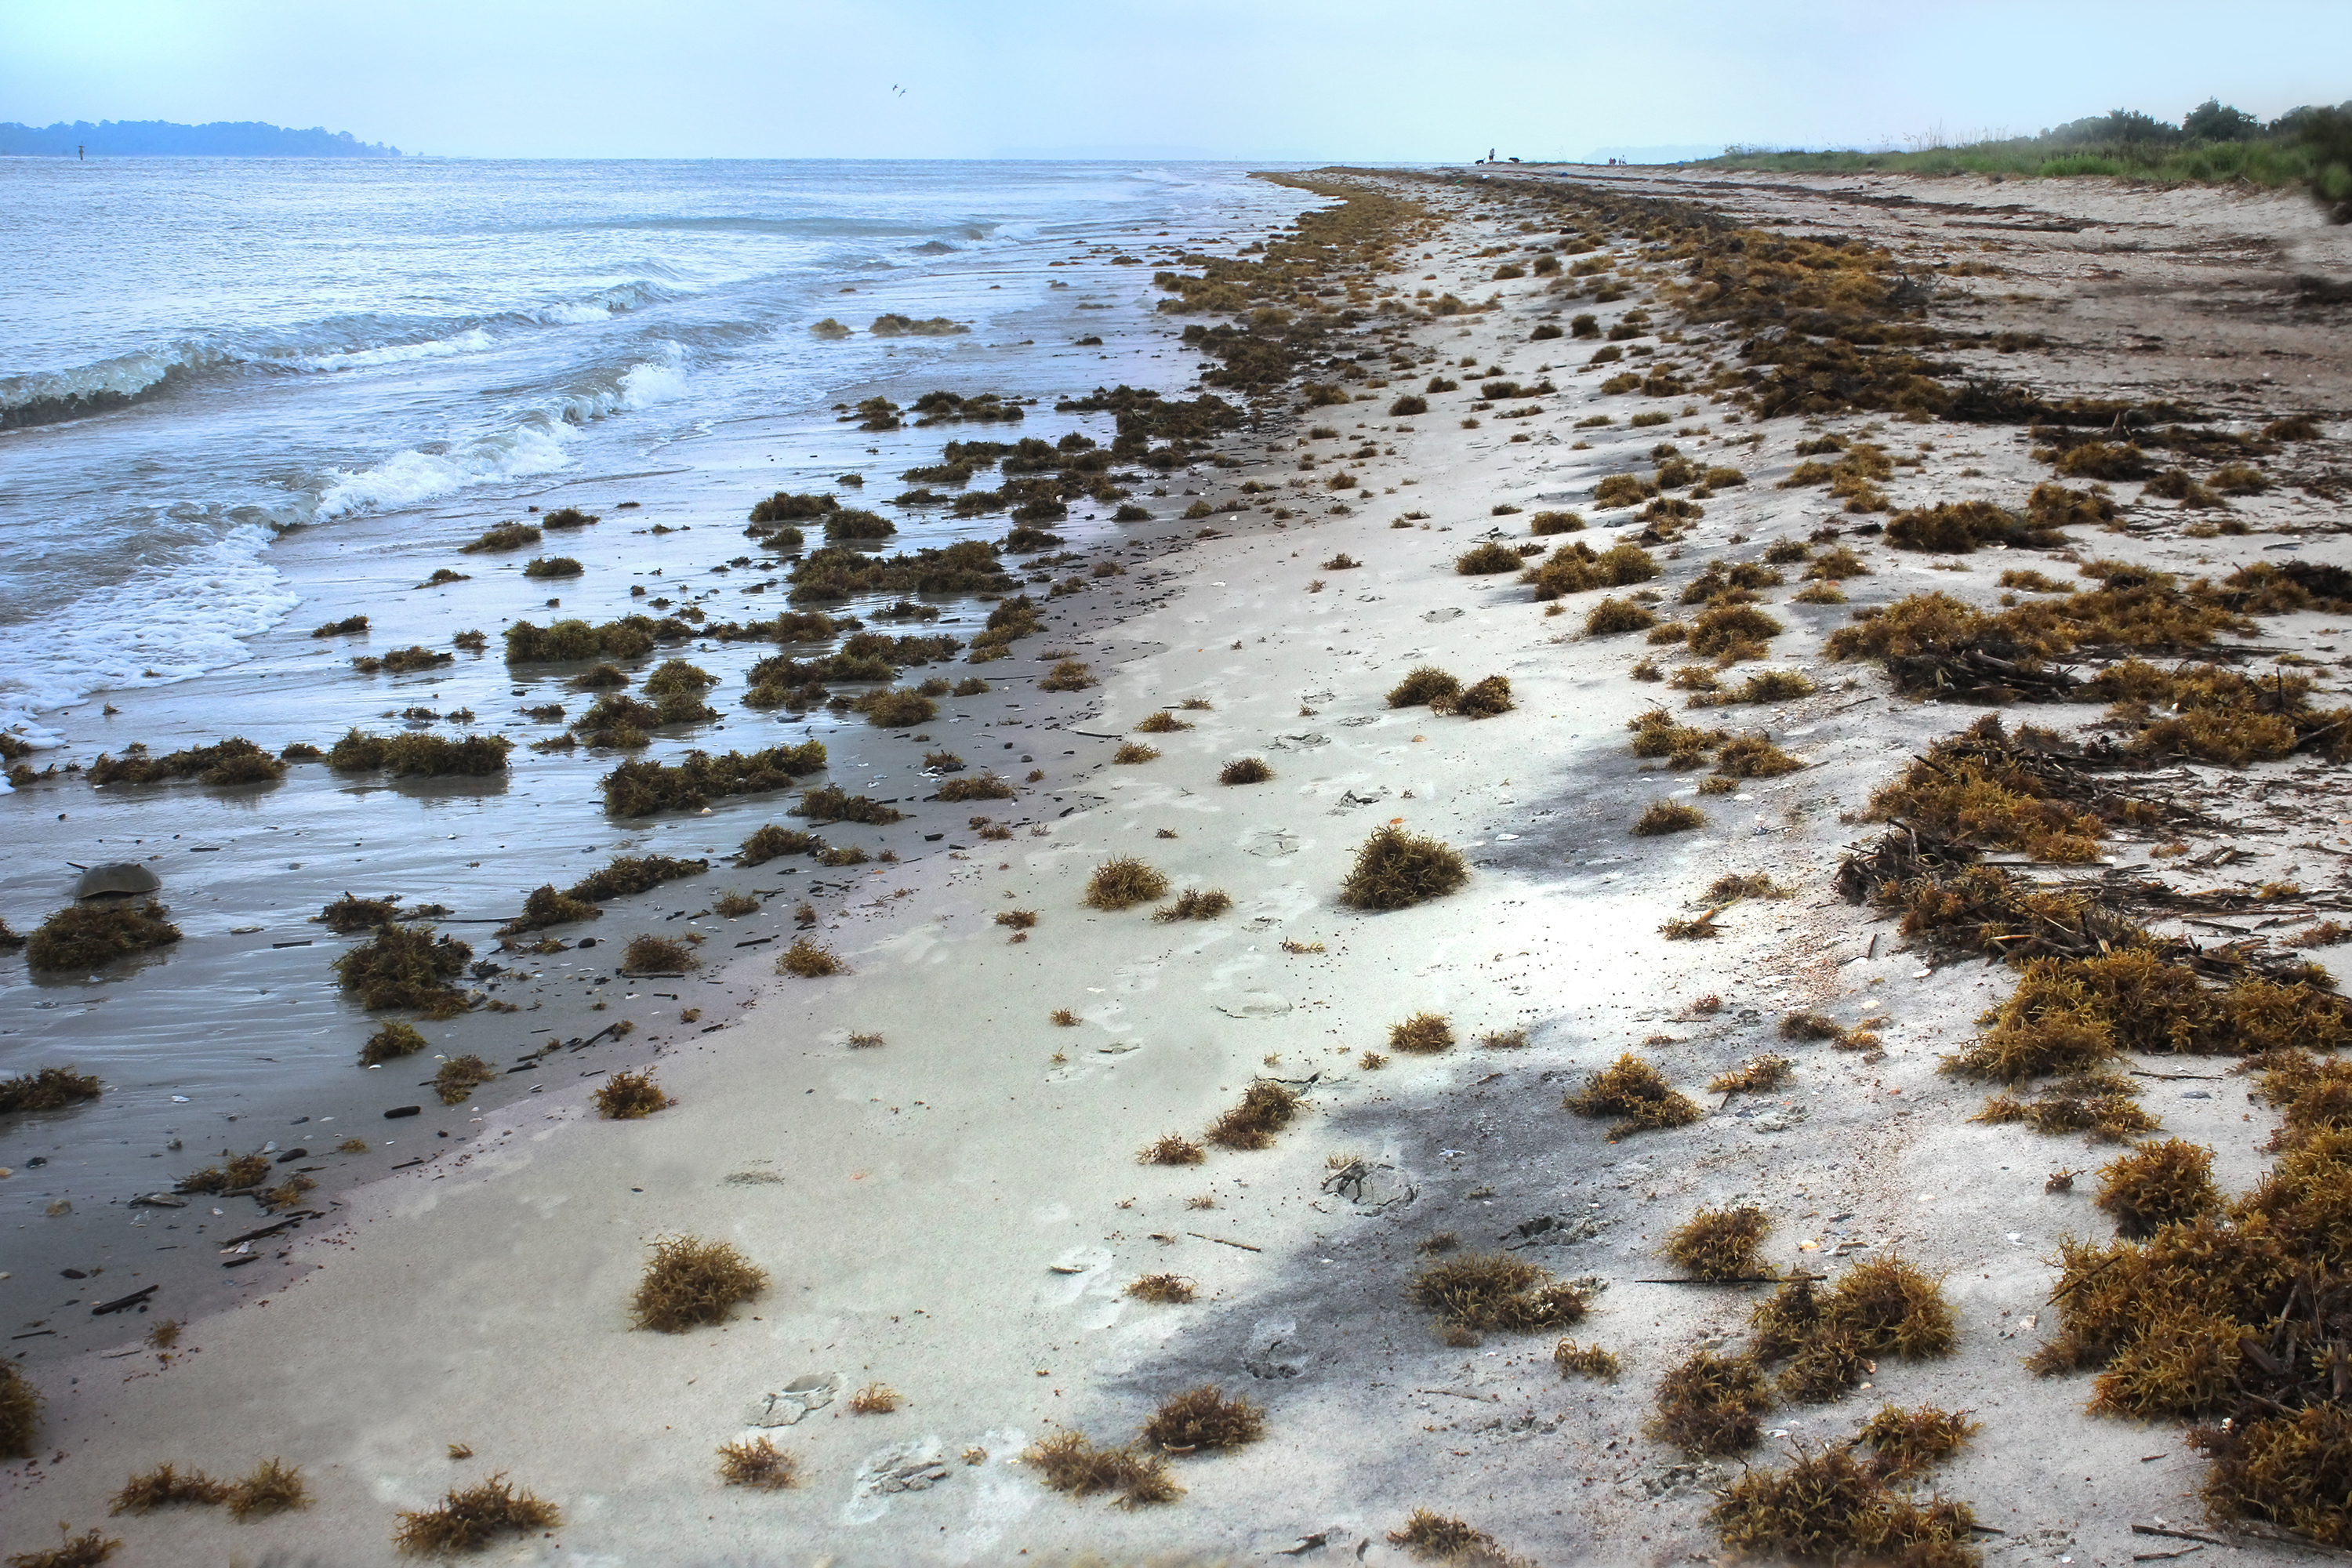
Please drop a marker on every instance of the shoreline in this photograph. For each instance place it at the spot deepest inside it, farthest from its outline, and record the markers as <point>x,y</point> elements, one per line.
<point>963,1218</point>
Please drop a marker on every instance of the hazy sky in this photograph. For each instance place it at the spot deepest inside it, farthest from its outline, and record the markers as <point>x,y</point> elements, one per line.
<point>1370,79</point>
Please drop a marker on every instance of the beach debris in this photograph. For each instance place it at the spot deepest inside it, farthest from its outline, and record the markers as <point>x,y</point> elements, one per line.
<point>786,1406</point>
<point>1395,869</point>
<point>757,1463</point>
<point>1163,1290</point>
<point>87,1550</point>
<point>20,1411</point>
<point>272,1486</point>
<point>1205,1417</point>
<point>85,937</point>
<point>1071,1462</point>
<point>49,1089</point>
<point>689,1281</point>
<point>876,1399</point>
<point>1436,1538</point>
<point>469,1519</point>
<point>165,1486</point>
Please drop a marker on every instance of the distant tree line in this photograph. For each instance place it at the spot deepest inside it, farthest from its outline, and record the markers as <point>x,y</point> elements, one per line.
<point>2311,146</point>
<point>163,138</point>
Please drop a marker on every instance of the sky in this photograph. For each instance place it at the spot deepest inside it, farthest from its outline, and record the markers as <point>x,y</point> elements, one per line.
<point>1369,80</point>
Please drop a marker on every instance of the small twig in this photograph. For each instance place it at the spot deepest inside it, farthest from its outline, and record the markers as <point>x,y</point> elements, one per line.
<point>122,1304</point>
<point>1455,1393</point>
<point>2177,1534</point>
<point>2198,1076</point>
<point>1244,1246</point>
<point>1739,1279</point>
<point>2166,1556</point>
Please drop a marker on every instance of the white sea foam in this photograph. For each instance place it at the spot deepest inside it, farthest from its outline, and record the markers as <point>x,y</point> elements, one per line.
<point>654,381</point>
<point>467,342</point>
<point>176,617</point>
<point>536,446</point>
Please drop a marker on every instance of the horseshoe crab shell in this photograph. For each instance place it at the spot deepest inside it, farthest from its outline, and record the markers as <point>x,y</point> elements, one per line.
<point>119,877</point>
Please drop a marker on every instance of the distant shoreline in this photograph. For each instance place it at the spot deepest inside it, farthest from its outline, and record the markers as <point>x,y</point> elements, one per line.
<point>165,138</point>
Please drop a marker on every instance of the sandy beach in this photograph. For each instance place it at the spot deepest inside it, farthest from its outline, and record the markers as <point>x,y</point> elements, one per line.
<point>935,1155</point>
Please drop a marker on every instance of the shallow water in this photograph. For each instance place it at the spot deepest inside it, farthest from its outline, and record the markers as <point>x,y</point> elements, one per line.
<point>320,399</point>
<point>272,343</point>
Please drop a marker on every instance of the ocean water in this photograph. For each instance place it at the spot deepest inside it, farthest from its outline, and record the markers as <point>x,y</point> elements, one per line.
<point>241,399</point>
<point>198,355</point>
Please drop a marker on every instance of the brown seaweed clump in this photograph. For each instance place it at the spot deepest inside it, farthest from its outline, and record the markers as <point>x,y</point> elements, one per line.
<point>242,1173</point>
<point>1196,904</point>
<point>48,1089</point>
<point>831,802</point>
<point>809,961</point>
<point>985,785</point>
<point>1426,685</point>
<point>390,1043</point>
<point>273,1486</point>
<point>1395,869</point>
<point>1201,1418</point>
<point>1496,1290</point>
<point>1163,1290</point>
<point>629,1096</point>
<point>1879,1308</point>
<point>543,906</point>
<point>460,1076</point>
<point>690,1283</point>
<point>1721,1244</point>
<point>165,1486</point>
<point>1174,1149</point>
<point>1438,1537</point>
<point>2158,1185</point>
<point>1244,771</point>
<point>406,966</point>
<point>1830,1506</point>
<point>648,954</point>
<point>1760,1075</point>
<point>1124,882</point>
<point>757,1463</point>
<point>627,873</point>
<point>1635,1090</point>
<point>1590,1360</point>
<point>1071,1462</point>
<point>1905,1444</point>
<point>20,1411</point>
<point>88,1550</point>
<point>87,936</point>
<point>470,1518</point>
<point>349,914</point>
<point>1266,1108</point>
<point>773,839</point>
<point>1423,1034</point>
<point>1481,698</point>
<point>1712,1405</point>
<point>1663,816</point>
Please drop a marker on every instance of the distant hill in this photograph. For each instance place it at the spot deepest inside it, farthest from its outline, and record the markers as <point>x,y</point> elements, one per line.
<point>163,139</point>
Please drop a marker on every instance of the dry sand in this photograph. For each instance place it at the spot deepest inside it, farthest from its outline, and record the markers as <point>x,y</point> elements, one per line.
<point>957,1212</point>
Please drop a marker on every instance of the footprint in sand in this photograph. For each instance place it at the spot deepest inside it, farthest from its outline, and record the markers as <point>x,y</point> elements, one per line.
<point>813,1390</point>
<point>915,1464</point>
